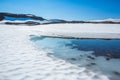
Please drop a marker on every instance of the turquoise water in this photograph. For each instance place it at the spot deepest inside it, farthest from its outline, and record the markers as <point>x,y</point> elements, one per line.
<point>98,56</point>
<point>100,47</point>
<point>107,48</point>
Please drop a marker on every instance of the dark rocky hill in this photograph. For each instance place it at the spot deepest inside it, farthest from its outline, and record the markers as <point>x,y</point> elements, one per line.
<point>11,16</point>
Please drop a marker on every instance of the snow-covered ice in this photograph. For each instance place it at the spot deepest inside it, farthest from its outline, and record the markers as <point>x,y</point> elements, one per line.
<point>104,31</point>
<point>21,60</point>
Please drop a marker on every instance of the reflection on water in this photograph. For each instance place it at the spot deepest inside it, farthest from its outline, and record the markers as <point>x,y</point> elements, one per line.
<point>99,56</point>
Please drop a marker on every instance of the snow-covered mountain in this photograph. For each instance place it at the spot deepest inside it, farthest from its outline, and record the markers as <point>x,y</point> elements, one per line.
<point>13,17</point>
<point>9,18</point>
<point>29,19</point>
<point>56,20</point>
<point>106,20</point>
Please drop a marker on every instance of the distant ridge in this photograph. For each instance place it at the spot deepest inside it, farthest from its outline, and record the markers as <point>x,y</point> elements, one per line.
<point>17,16</point>
<point>30,19</point>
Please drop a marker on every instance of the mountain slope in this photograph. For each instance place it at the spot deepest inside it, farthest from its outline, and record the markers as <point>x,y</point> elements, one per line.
<point>29,19</point>
<point>12,17</point>
<point>106,20</point>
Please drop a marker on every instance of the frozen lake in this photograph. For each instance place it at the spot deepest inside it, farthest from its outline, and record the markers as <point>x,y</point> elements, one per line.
<point>95,54</point>
<point>98,47</point>
<point>26,57</point>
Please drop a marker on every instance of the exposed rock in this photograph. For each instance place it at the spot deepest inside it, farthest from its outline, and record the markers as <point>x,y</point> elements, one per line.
<point>32,23</point>
<point>56,21</point>
<point>91,57</point>
<point>116,73</point>
<point>2,15</point>
<point>91,64</point>
<point>26,23</point>
<point>108,56</point>
<point>73,59</point>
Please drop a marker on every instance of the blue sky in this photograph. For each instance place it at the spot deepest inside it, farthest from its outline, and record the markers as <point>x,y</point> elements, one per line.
<point>64,9</point>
